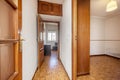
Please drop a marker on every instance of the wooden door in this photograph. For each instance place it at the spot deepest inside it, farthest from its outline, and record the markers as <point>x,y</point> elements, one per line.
<point>40,42</point>
<point>9,41</point>
<point>83,39</point>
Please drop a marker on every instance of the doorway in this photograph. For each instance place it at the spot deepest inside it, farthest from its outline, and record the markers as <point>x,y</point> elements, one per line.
<point>48,39</point>
<point>48,43</point>
<point>99,45</point>
<point>51,38</point>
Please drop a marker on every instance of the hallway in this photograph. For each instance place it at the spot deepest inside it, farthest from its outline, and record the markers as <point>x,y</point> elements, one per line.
<point>51,69</point>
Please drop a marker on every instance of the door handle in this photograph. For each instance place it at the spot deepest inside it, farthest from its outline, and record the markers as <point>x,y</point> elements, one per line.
<point>22,39</point>
<point>21,43</point>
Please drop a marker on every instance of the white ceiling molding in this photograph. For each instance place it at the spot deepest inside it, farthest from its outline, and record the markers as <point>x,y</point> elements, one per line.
<point>112,15</point>
<point>98,17</point>
<point>54,1</point>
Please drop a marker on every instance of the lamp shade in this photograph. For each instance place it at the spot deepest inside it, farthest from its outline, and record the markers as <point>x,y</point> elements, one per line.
<point>112,5</point>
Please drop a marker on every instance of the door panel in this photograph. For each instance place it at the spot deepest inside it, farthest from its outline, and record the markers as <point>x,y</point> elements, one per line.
<point>9,40</point>
<point>83,39</point>
<point>56,9</point>
<point>7,60</point>
<point>6,21</point>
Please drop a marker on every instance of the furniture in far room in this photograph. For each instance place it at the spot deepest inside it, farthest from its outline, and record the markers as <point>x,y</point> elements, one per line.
<point>55,48</point>
<point>47,50</point>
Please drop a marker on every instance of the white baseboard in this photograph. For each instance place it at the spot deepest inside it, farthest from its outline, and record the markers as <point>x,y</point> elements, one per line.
<point>96,54</point>
<point>117,55</point>
<point>114,54</point>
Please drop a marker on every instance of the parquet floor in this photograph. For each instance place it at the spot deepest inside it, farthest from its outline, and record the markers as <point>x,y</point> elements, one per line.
<point>103,68</point>
<point>51,69</point>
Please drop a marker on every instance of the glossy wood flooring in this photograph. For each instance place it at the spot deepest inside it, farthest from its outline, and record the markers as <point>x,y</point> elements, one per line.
<point>103,68</point>
<point>51,69</point>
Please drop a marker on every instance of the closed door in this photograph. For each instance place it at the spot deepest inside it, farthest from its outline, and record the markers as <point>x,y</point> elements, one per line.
<point>83,33</point>
<point>10,60</point>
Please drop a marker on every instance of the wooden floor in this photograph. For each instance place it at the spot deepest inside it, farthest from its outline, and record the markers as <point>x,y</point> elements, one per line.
<point>51,69</point>
<point>103,68</point>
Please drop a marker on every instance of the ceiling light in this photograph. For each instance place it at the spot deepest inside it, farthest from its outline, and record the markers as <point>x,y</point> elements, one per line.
<point>112,5</point>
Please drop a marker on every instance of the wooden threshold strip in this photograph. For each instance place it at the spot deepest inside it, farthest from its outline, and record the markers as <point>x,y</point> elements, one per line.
<point>13,76</point>
<point>4,41</point>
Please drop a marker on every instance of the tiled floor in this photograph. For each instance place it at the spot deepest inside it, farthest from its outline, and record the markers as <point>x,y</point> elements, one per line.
<point>51,69</point>
<point>103,68</point>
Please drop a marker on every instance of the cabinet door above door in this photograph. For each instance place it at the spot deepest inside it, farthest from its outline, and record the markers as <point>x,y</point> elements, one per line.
<point>57,9</point>
<point>44,7</point>
<point>49,8</point>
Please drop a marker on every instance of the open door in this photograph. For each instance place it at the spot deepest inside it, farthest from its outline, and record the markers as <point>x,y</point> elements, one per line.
<point>10,55</point>
<point>40,37</point>
<point>83,37</point>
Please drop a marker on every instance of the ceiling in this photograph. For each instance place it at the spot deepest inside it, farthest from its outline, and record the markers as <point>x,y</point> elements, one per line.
<point>54,1</point>
<point>50,18</point>
<point>98,8</point>
<point>50,23</point>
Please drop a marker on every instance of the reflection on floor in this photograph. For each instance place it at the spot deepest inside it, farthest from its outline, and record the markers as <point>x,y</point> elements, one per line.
<point>51,69</point>
<point>103,68</point>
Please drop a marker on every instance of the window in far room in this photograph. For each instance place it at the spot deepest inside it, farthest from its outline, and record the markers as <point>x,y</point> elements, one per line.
<point>51,36</point>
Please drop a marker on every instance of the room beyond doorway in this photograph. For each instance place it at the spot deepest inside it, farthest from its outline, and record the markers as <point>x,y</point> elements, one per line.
<point>51,37</point>
<point>48,39</point>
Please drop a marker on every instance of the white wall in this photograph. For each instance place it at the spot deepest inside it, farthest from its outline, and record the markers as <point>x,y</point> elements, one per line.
<point>112,31</point>
<point>29,33</point>
<point>51,27</point>
<point>105,29</point>
<point>66,36</point>
<point>97,33</point>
